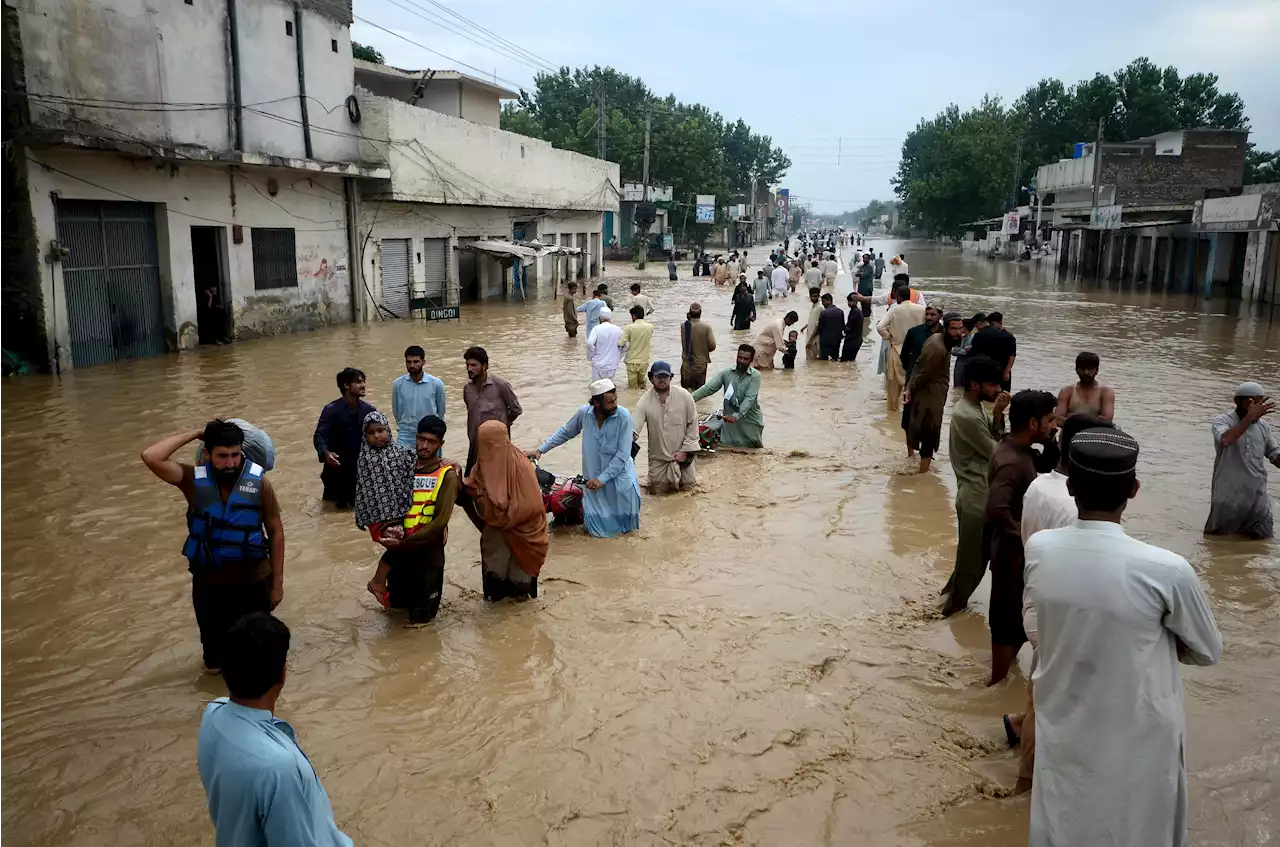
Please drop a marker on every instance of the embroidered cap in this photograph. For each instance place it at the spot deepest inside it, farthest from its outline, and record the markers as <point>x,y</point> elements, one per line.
<point>1104,451</point>
<point>602,386</point>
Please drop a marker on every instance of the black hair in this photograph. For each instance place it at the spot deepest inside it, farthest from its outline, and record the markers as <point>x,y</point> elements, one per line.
<point>635,288</point>
<point>1071,426</point>
<point>637,312</point>
<point>791,316</point>
<point>1087,360</point>
<point>346,376</point>
<point>813,291</point>
<point>827,297</point>
<point>602,288</point>
<point>901,293</point>
<point>433,424</point>
<point>995,318</point>
<point>980,316</point>
<point>982,369</point>
<point>1029,405</point>
<point>415,350</point>
<point>1096,492</point>
<point>220,433</point>
<point>254,652</point>
<point>476,354</point>
<point>747,348</point>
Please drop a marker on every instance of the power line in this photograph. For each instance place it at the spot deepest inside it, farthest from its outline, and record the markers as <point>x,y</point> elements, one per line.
<point>453,28</point>
<point>481,71</point>
<point>545,64</point>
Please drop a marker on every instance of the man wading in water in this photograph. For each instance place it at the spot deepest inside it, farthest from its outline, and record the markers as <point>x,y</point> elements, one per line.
<point>235,538</point>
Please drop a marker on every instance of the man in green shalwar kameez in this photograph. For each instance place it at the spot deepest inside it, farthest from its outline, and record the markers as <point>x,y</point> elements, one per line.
<point>973,438</point>
<point>743,420</point>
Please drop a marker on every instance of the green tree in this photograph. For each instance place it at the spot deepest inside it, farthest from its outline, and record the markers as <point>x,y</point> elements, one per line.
<point>691,148</point>
<point>1261,166</point>
<point>959,166</point>
<point>360,51</point>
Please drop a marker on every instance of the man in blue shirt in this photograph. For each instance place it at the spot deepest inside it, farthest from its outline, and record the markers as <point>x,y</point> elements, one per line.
<point>414,396</point>
<point>262,788</point>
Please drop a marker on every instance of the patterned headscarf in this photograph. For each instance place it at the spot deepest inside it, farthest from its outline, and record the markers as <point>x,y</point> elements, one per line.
<point>384,478</point>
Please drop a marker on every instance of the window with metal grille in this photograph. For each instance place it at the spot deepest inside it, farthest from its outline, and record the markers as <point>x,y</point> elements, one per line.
<point>275,258</point>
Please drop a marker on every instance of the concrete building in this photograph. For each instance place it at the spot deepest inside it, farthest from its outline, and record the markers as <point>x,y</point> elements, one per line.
<point>194,171</point>
<point>453,178</point>
<point>185,171</point>
<point>1147,193</point>
<point>1244,244</point>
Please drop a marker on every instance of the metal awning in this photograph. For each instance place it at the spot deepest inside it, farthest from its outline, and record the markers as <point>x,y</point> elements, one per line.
<point>1125,225</point>
<point>527,253</point>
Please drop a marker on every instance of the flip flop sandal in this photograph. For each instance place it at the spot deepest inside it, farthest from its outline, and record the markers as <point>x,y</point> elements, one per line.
<point>383,597</point>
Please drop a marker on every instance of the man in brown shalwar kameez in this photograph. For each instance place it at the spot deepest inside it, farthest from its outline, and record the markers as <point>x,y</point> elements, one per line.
<point>928,387</point>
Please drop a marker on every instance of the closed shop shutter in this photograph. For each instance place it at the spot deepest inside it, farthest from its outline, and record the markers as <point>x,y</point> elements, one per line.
<point>435,269</point>
<point>111,279</point>
<point>395,275</point>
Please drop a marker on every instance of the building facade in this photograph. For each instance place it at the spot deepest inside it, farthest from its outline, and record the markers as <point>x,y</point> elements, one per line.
<point>202,170</point>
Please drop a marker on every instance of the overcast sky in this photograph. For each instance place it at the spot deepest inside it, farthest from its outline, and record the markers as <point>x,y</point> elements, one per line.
<point>838,85</point>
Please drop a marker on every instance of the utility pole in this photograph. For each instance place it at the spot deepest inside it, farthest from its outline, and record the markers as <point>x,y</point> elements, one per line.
<point>644,239</point>
<point>752,213</point>
<point>839,150</point>
<point>600,123</point>
<point>1017,177</point>
<point>1097,188</point>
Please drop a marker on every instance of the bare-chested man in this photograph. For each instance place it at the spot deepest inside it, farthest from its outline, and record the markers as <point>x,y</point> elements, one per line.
<point>1088,396</point>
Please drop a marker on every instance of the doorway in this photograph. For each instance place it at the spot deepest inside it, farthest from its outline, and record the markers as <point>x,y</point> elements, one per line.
<point>213,319</point>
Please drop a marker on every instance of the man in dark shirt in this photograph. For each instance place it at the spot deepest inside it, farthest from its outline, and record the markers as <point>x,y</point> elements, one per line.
<point>852,331</point>
<point>488,397</point>
<point>830,330</point>
<point>1032,420</point>
<point>911,347</point>
<point>866,282</point>
<point>998,343</point>
<point>337,438</point>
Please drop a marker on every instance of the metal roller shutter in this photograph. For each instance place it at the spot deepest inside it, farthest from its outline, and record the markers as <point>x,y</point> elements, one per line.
<point>111,279</point>
<point>435,269</point>
<point>395,275</point>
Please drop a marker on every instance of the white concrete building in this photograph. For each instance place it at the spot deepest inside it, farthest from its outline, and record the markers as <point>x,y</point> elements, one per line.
<point>187,173</point>
<point>456,178</point>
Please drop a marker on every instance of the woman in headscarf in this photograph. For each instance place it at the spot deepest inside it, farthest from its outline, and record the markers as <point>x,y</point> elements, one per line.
<point>513,539</point>
<point>384,490</point>
<point>744,305</point>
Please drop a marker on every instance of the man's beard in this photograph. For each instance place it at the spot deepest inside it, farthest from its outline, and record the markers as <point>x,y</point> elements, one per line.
<point>227,476</point>
<point>949,341</point>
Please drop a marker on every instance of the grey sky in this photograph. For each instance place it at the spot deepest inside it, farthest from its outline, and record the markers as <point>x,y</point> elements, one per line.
<point>838,88</point>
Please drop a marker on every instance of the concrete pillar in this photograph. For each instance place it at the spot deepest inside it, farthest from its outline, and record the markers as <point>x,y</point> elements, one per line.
<point>452,284</point>
<point>1151,261</point>
<point>1189,265</point>
<point>1253,265</point>
<point>1168,265</point>
<point>1210,268</point>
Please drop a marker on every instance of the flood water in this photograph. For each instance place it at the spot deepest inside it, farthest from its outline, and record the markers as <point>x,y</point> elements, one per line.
<point>759,664</point>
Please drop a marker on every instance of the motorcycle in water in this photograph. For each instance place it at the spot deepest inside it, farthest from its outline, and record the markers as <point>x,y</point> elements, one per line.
<point>709,427</point>
<point>561,496</point>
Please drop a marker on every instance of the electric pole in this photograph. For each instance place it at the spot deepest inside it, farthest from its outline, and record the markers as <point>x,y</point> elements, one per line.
<point>752,212</point>
<point>600,123</point>
<point>1097,189</point>
<point>644,238</point>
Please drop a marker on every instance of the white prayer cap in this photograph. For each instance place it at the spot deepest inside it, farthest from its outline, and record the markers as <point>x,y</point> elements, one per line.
<point>1250,389</point>
<point>602,386</point>
<point>606,313</point>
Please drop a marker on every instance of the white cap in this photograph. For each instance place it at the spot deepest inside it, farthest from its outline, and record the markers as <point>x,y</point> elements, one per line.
<point>606,314</point>
<point>602,386</point>
<point>1250,389</point>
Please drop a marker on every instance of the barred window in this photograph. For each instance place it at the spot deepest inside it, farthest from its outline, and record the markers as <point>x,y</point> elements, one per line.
<point>275,258</point>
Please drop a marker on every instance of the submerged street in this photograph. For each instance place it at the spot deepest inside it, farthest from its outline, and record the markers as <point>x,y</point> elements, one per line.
<point>760,663</point>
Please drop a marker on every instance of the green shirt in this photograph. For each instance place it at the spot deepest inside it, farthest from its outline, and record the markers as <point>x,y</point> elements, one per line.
<point>972,441</point>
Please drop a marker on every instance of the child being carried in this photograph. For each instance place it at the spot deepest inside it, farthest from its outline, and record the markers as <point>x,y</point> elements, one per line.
<point>384,491</point>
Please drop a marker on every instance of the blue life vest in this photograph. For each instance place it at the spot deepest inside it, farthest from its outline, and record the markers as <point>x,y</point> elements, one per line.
<point>225,533</point>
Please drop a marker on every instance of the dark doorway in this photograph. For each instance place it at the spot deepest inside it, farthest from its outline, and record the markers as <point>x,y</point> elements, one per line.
<point>468,273</point>
<point>208,244</point>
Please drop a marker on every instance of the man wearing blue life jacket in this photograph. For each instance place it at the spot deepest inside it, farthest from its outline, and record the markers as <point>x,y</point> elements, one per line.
<point>235,538</point>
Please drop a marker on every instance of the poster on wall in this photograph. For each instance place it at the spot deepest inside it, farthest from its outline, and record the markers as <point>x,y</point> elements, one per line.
<point>784,205</point>
<point>705,209</point>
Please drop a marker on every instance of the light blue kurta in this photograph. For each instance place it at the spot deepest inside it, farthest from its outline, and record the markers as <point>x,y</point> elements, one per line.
<point>606,456</point>
<point>591,309</point>
<point>411,402</point>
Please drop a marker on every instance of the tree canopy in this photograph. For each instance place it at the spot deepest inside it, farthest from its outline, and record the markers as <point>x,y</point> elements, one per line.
<point>691,148</point>
<point>361,51</point>
<point>962,166</point>
<point>863,218</point>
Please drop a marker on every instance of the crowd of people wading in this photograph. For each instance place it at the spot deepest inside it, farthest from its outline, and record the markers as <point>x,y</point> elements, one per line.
<point>1042,483</point>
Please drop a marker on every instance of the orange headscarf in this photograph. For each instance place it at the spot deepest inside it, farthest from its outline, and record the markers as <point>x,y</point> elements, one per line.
<point>508,497</point>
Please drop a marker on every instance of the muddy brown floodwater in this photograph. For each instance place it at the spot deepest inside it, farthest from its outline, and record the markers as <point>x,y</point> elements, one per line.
<point>758,664</point>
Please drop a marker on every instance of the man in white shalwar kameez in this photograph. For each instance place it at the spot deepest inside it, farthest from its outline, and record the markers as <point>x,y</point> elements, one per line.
<point>602,347</point>
<point>1114,618</point>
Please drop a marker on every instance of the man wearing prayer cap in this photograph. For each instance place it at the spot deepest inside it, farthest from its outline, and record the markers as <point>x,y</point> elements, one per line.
<point>611,502</point>
<point>1115,616</point>
<point>1243,441</point>
<point>602,346</point>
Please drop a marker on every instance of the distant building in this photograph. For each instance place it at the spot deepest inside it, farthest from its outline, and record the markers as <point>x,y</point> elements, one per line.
<point>1148,192</point>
